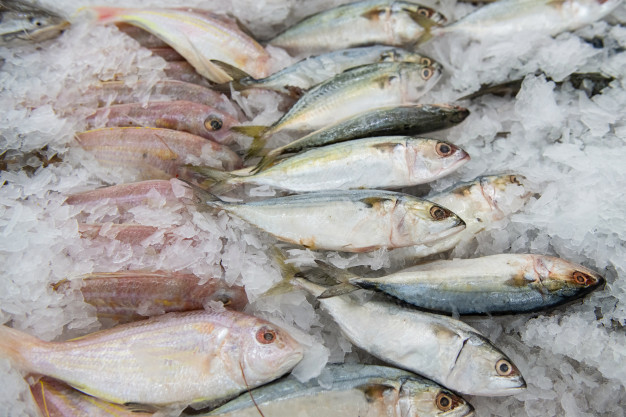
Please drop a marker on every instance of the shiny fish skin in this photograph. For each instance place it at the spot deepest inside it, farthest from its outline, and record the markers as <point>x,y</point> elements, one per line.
<point>479,203</point>
<point>355,91</point>
<point>198,35</point>
<point>437,347</point>
<point>311,71</point>
<point>385,162</point>
<point>196,118</point>
<point>357,390</point>
<point>397,120</point>
<point>505,18</point>
<point>130,295</point>
<point>174,359</point>
<point>126,196</point>
<point>56,399</point>
<point>155,153</point>
<point>22,22</point>
<point>349,221</point>
<point>368,22</point>
<point>497,284</point>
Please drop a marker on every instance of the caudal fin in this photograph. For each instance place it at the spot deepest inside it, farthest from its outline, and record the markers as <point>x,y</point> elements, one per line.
<point>341,276</point>
<point>219,182</point>
<point>15,345</point>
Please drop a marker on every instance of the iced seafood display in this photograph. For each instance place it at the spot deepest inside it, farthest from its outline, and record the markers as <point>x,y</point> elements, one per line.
<point>148,270</point>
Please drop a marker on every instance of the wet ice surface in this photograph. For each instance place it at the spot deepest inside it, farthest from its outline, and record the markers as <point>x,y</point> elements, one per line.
<point>568,145</point>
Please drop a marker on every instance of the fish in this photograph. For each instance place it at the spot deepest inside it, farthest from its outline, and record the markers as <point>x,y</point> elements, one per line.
<point>184,71</point>
<point>350,390</point>
<point>395,120</point>
<point>167,53</point>
<point>132,234</point>
<point>22,22</point>
<point>56,399</point>
<point>117,92</point>
<point>187,116</point>
<point>296,79</point>
<point>200,36</point>
<point>127,196</point>
<point>383,162</point>
<point>348,221</point>
<point>496,284</point>
<point>352,92</point>
<point>435,346</point>
<point>155,153</point>
<point>144,38</point>
<point>174,359</point>
<point>130,295</point>
<point>369,22</point>
<point>480,203</point>
<point>506,18</point>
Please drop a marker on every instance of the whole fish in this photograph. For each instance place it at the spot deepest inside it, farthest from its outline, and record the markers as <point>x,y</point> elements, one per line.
<point>384,162</point>
<point>126,196</point>
<point>299,77</point>
<point>130,295</point>
<point>155,153</point>
<point>505,18</point>
<point>349,221</point>
<point>479,203</point>
<point>117,92</point>
<point>352,390</point>
<point>56,399</point>
<point>22,21</point>
<point>497,284</point>
<point>396,120</point>
<point>352,92</point>
<point>200,36</point>
<point>196,118</point>
<point>173,359</point>
<point>369,22</point>
<point>437,347</point>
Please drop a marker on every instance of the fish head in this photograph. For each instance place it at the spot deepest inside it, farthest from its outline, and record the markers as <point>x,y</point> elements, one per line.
<point>567,277</point>
<point>456,114</point>
<point>424,221</point>
<point>25,22</point>
<point>422,15</point>
<point>217,124</point>
<point>419,397</point>
<point>481,369</point>
<point>269,352</point>
<point>430,158</point>
<point>418,79</point>
<point>504,194</point>
<point>403,55</point>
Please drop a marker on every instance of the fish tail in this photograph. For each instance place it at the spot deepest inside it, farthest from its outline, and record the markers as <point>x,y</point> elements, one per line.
<point>213,179</point>
<point>341,276</point>
<point>266,161</point>
<point>14,344</point>
<point>287,271</point>
<point>257,146</point>
<point>257,133</point>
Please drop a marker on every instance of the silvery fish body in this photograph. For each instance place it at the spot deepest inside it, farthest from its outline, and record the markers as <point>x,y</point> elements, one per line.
<point>358,90</point>
<point>368,22</point>
<point>507,283</point>
<point>311,71</point>
<point>198,35</point>
<point>350,221</point>
<point>355,390</point>
<point>384,162</point>
<point>396,120</point>
<point>56,399</point>
<point>479,203</point>
<point>437,347</point>
<point>173,359</point>
<point>508,17</point>
<point>22,21</point>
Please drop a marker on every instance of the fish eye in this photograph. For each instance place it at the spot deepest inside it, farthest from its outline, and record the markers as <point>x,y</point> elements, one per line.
<point>581,278</point>
<point>514,180</point>
<point>504,367</point>
<point>426,62</point>
<point>444,149</point>
<point>444,402</point>
<point>213,123</point>
<point>224,299</point>
<point>423,12</point>
<point>439,213</point>
<point>265,335</point>
<point>427,72</point>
